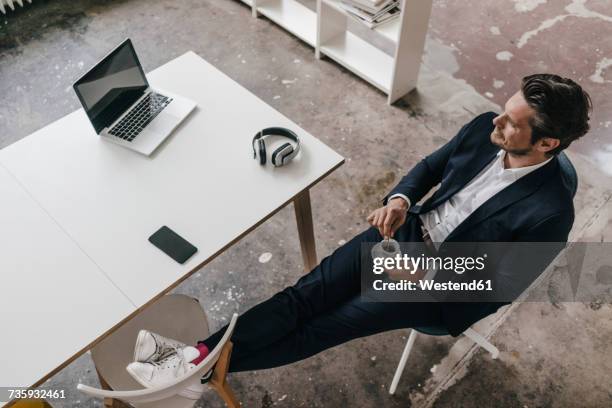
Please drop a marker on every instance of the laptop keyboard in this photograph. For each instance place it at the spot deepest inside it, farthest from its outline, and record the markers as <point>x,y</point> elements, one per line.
<point>139,116</point>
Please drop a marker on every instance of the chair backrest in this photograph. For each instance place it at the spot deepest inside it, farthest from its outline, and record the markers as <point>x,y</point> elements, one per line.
<point>569,173</point>
<point>571,180</point>
<point>172,388</point>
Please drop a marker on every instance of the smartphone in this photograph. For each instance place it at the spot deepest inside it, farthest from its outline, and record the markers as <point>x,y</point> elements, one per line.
<point>175,246</point>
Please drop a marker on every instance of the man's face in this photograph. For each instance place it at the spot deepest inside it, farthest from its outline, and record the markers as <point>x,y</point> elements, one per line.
<point>512,131</point>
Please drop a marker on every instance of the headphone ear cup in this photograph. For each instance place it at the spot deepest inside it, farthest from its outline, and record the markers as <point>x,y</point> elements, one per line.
<point>262,152</point>
<point>286,149</point>
<point>287,153</point>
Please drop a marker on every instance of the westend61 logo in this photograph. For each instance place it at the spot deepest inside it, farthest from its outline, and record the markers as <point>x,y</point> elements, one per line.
<point>393,271</point>
<point>413,264</point>
<point>415,273</point>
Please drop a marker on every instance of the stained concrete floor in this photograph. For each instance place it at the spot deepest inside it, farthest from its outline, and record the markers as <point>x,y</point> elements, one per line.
<point>476,53</point>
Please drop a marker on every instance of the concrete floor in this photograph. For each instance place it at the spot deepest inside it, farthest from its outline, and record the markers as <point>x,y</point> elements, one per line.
<point>476,53</point>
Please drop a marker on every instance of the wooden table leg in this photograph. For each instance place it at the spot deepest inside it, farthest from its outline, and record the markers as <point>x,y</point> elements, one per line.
<point>219,382</point>
<point>303,216</point>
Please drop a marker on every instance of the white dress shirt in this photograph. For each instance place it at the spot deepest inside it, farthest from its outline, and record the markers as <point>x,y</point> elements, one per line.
<point>442,220</point>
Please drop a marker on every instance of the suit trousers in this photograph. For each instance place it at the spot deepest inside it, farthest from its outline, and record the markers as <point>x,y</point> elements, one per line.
<point>323,309</point>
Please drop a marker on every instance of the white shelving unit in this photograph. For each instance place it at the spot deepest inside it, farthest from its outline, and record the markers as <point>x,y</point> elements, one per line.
<point>359,56</point>
<point>327,31</point>
<point>293,16</point>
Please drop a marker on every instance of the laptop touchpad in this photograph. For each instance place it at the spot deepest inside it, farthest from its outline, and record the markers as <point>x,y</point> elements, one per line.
<point>163,123</point>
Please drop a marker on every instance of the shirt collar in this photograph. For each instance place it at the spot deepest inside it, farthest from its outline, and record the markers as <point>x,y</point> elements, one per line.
<point>516,173</point>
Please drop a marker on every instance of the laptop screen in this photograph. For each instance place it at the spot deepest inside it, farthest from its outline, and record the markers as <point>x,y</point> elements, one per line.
<point>112,86</point>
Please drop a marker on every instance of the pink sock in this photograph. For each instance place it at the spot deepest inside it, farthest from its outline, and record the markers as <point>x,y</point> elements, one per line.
<point>203,353</point>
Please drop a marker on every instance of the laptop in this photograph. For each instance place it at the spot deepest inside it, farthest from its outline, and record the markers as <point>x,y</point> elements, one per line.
<point>123,108</point>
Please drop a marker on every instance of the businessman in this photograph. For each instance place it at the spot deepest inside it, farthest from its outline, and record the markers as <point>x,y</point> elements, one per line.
<point>499,181</point>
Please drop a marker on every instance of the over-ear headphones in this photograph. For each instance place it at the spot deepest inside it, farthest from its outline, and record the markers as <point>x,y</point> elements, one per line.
<point>281,156</point>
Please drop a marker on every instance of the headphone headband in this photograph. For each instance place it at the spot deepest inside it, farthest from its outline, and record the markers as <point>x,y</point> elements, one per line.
<point>289,151</point>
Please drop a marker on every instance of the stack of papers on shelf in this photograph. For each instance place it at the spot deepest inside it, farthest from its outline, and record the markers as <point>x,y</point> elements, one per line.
<point>372,12</point>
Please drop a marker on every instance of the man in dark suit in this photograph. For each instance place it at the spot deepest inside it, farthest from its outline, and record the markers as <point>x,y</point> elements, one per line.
<point>499,181</point>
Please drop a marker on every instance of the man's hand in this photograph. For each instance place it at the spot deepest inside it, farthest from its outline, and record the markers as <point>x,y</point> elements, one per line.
<point>390,217</point>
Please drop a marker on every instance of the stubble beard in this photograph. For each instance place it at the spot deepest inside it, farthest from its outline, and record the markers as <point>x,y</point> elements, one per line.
<point>495,135</point>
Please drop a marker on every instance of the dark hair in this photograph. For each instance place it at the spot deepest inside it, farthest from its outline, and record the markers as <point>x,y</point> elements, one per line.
<point>561,107</point>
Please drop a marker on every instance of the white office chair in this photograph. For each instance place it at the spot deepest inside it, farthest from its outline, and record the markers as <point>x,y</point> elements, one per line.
<point>436,331</point>
<point>571,179</point>
<point>175,316</point>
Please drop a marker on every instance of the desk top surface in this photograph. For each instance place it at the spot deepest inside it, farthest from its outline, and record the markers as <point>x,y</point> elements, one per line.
<point>44,319</point>
<point>202,182</point>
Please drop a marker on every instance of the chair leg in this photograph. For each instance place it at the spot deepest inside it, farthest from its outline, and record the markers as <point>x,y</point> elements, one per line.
<point>482,342</point>
<point>402,362</point>
<point>108,402</point>
<point>219,381</point>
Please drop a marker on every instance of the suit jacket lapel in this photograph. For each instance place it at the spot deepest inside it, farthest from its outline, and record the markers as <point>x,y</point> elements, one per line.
<point>459,177</point>
<point>523,187</point>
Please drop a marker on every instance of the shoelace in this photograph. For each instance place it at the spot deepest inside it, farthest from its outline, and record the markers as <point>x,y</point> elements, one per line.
<point>164,349</point>
<point>182,363</point>
<point>169,352</point>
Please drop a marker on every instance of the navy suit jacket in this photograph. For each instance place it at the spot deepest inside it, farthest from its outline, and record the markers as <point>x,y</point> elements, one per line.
<point>536,208</point>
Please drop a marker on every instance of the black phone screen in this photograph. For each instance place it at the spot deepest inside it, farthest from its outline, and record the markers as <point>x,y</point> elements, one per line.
<point>175,246</point>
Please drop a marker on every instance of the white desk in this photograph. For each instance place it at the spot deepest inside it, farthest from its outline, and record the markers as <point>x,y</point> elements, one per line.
<point>202,182</point>
<point>45,321</point>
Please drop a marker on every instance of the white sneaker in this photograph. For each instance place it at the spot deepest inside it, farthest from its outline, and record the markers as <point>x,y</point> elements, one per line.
<point>164,371</point>
<point>151,347</point>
